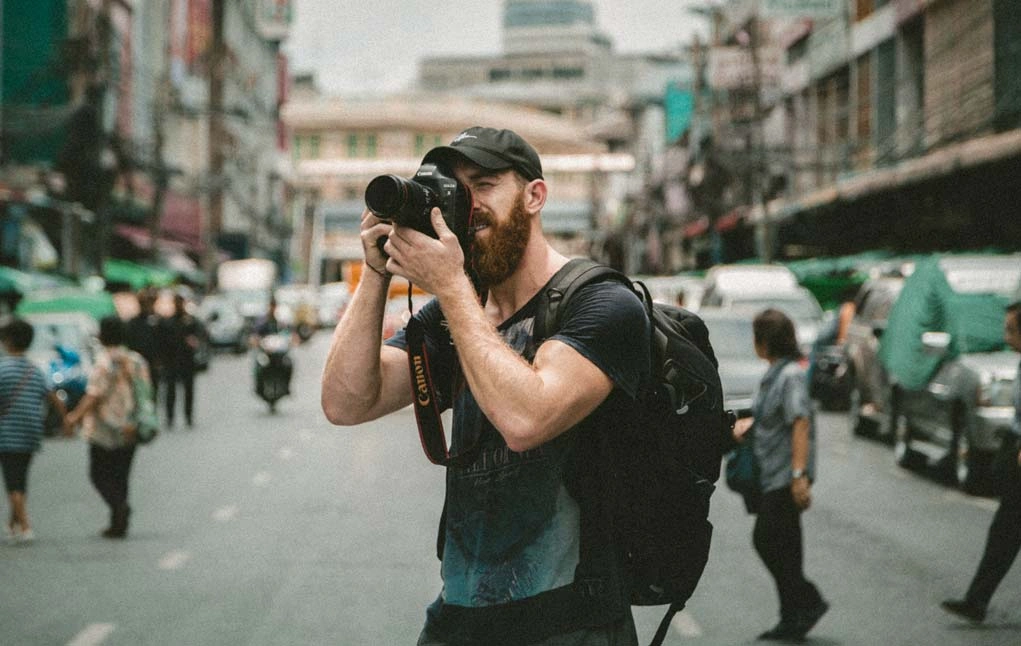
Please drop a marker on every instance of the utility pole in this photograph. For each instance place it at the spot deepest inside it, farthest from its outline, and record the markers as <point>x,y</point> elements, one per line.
<point>760,171</point>
<point>160,110</point>
<point>214,220</point>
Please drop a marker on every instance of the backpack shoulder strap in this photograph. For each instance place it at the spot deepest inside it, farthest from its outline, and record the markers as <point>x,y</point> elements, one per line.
<point>577,273</point>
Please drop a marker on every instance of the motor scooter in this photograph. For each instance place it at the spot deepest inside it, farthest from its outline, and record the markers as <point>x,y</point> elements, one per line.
<point>273,368</point>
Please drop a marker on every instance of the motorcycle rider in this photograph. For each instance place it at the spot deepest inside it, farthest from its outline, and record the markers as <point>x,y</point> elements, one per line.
<point>269,325</point>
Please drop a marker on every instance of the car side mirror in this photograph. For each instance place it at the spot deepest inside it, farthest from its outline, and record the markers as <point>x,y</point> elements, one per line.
<point>936,342</point>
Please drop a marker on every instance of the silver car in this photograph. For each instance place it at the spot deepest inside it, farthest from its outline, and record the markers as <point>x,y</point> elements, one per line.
<point>957,419</point>
<point>730,333</point>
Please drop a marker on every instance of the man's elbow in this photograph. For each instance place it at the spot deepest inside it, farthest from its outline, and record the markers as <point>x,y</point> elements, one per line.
<point>524,435</point>
<point>337,413</point>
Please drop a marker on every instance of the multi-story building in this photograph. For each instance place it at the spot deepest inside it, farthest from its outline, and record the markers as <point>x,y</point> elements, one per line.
<point>339,145</point>
<point>899,128</point>
<point>125,90</point>
<point>556,59</point>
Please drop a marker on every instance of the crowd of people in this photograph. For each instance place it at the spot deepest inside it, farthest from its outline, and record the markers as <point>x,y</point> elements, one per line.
<point>160,351</point>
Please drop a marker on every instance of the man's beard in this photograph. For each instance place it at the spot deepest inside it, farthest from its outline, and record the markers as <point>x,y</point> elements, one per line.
<point>497,257</point>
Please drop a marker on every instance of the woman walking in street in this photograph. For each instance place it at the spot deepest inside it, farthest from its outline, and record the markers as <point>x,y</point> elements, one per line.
<point>783,424</point>
<point>22,391</point>
<point>105,414</point>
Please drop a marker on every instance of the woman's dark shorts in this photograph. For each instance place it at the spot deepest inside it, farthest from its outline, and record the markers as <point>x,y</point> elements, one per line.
<point>15,468</point>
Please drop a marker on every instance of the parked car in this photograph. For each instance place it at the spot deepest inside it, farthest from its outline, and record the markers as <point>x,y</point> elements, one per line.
<point>63,347</point>
<point>798,304</point>
<point>952,397</point>
<point>868,381</point>
<point>726,281</point>
<point>730,333</point>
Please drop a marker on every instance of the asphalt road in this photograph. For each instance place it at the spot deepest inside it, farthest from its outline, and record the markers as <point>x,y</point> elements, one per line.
<point>270,530</point>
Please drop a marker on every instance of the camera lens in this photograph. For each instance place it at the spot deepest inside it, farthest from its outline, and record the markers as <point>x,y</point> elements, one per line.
<point>397,199</point>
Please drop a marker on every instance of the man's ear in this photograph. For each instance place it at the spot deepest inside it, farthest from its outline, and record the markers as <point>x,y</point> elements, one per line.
<point>535,195</point>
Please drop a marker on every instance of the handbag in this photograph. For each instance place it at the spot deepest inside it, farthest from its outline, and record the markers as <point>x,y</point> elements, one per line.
<point>742,473</point>
<point>144,415</point>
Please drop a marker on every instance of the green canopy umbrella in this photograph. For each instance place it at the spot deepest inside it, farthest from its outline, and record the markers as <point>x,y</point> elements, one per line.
<point>96,304</point>
<point>135,275</point>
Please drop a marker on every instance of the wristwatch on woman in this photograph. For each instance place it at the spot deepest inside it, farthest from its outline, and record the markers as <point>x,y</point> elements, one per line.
<point>797,474</point>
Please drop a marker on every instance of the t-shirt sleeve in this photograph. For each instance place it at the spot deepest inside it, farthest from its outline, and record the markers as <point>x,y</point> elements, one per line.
<point>606,323</point>
<point>796,400</point>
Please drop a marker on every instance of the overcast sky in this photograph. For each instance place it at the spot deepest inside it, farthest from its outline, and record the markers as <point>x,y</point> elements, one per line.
<point>373,46</point>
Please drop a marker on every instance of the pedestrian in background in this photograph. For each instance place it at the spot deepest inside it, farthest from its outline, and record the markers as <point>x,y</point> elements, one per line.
<point>783,422</point>
<point>1004,539</point>
<point>105,414</point>
<point>23,389</point>
<point>143,335</point>
<point>179,340</point>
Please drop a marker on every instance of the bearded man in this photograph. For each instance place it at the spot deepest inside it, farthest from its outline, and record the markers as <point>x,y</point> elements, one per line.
<point>525,544</point>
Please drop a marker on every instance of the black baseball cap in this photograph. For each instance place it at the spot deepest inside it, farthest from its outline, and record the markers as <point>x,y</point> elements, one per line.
<point>491,149</point>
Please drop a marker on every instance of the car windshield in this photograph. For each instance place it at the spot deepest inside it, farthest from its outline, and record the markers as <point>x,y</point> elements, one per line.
<point>797,309</point>
<point>985,280</point>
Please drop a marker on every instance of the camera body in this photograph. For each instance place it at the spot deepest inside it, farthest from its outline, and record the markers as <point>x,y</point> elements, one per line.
<point>409,203</point>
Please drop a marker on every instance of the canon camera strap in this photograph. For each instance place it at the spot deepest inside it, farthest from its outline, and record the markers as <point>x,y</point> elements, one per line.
<point>427,403</point>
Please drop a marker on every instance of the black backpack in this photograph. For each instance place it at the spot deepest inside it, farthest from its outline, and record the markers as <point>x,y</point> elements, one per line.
<point>667,462</point>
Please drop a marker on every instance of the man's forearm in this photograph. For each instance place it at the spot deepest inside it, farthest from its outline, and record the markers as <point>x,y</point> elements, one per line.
<point>352,377</point>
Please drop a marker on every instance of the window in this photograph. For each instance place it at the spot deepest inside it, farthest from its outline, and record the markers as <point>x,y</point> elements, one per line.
<point>419,144</point>
<point>313,147</point>
<point>296,147</point>
<point>370,145</point>
<point>352,145</point>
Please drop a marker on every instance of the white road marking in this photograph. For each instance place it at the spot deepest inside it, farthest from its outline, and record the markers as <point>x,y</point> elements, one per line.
<point>174,560</point>
<point>685,625</point>
<point>92,635</point>
<point>261,479</point>
<point>225,514</point>
<point>285,453</point>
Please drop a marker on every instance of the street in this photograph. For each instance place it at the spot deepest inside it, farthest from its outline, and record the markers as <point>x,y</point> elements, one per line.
<point>268,530</point>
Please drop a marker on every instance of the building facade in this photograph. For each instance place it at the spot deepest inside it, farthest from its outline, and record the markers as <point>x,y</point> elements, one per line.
<point>339,145</point>
<point>136,112</point>
<point>889,124</point>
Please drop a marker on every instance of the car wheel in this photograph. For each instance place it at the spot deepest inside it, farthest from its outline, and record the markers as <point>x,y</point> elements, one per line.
<point>903,452</point>
<point>859,424</point>
<point>970,466</point>
<point>883,426</point>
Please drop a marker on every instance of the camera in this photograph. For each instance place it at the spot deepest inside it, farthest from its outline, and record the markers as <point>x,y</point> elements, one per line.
<point>409,202</point>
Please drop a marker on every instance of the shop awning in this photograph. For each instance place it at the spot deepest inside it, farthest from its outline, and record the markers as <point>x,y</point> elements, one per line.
<point>696,228</point>
<point>135,275</point>
<point>935,165</point>
<point>96,304</point>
